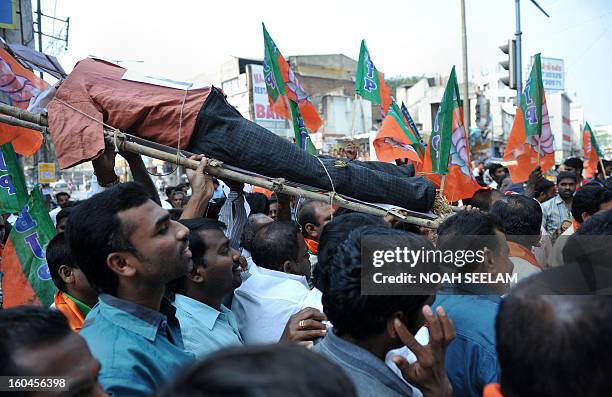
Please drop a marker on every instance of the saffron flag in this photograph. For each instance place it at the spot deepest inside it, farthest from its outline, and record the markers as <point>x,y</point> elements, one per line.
<point>448,152</point>
<point>26,278</point>
<point>591,151</point>
<point>302,136</point>
<point>369,82</point>
<point>395,140</point>
<point>17,86</point>
<point>530,143</point>
<point>13,190</point>
<point>282,85</point>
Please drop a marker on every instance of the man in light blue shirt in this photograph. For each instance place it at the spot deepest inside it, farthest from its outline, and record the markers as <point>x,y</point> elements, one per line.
<point>206,324</point>
<point>128,248</point>
<point>558,209</point>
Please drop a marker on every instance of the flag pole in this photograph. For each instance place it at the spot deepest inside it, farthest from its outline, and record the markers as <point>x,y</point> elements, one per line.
<point>442,184</point>
<point>353,117</point>
<point>287,104</point>
<point>603,168</point>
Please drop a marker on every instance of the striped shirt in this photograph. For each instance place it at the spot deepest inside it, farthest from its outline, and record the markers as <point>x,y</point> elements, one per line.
<point>554,212</point>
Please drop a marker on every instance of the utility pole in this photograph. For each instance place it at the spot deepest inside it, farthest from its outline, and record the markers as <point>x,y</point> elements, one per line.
<point>518,34</point>
<point>466,89</point>
<point>39,21</point>
<point>519,65</point>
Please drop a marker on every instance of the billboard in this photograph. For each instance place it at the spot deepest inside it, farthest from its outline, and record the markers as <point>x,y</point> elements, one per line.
<point>553,74</point>
<point>262,111</point>
<point>8,14</point>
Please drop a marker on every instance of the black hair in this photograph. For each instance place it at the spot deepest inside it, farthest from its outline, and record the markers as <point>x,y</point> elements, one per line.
<point>599,224</point>
<point>258,203</point>
<point>608,183</point>
<point>494,167</point>
<point>467,224</point>
<point>168,190</point>
<point>307,214</point>
<point>573,359</point>
<point>352,312</point>
<point>566,175</point>
<point>542,186</point>
<point>58,254</point>
<point>521,218</point>
<point>58,195</point>
<point>333,234</point>
<point>274,244</point>
<point>589,199</point>
<point>63,213</point>
<point>277,370</point>
<point>175,213</point>
<point>482,199</point>
<point>94,231</point>
<point>214,208</point>
<point>575,163</point>
<point>250,230</point>
<point>197,246</point>
<point>28,327</point>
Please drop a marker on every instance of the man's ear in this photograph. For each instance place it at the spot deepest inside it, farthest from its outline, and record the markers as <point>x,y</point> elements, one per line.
<point>288,267</point>
<point>585,215</point>
<point>310,229</point>
<point>66,274</point>
<point>197,274</point>
<point>122,263</point>
<point>489,260</point>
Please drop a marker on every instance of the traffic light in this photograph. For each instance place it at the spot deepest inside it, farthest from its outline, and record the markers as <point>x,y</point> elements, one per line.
<point>509,64</point>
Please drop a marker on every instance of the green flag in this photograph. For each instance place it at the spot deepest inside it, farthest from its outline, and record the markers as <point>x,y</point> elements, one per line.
<point>26,277</point>
<point>275,83</point>
<point>532,100</point>
<point>302,136</point>
<point>440,141</point>
<point>13,190</point>
<point>369,83</point>
<point>415,141</point>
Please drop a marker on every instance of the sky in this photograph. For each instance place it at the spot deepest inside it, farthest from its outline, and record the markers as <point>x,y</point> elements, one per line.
<point>183,38</point>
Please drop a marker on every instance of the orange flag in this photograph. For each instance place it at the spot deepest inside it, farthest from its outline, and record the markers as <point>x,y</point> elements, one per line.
<point>590,151</point>
<point>530,143</point>
<point>18,85</point>
<point>395,140</point>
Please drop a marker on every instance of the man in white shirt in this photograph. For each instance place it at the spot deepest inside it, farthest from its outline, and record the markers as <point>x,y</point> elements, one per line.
<point>280,288</point>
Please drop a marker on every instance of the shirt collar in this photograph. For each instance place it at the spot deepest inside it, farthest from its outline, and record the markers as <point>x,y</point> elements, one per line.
<point>275,273</point>
<point>204,313</point>
<point>559,200</point>
<point>136,318</point>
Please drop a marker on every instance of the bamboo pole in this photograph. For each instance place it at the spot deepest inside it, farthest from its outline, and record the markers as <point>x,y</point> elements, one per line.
<point>22,118</point>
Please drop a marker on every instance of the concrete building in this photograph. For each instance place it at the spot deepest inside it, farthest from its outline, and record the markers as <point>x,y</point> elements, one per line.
<point>328,79</point>
<point>558,105</point>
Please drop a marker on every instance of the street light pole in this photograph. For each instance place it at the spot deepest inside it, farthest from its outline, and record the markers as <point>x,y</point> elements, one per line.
<point>519,65</point>
<point>518,34</point>
<point>466,99</point>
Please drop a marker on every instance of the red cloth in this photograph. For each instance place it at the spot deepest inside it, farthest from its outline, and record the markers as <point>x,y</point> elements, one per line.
<point>313,246</point>
<point>96,89</point>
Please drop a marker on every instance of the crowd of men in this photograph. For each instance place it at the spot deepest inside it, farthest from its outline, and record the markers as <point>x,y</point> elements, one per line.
<point>239,293</point>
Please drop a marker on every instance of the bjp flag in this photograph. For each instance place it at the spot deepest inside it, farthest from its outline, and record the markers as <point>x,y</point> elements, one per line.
<point>530,143</point>
<point>590,151</point>
<point>448,151</point>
